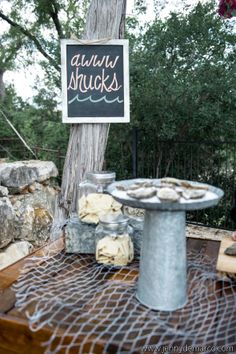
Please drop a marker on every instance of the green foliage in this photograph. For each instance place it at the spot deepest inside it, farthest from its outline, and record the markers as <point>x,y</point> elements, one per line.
<point>182,86</point>
<point>38,123</point>
<point>183,77</point>
<point>183,89</point>
<point>182,68</point>
<point>36,29</point>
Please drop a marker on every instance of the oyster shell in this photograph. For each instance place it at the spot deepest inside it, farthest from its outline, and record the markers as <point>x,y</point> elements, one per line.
<point>170,180</point>
<point>231,251</point>
<point>121,188</point>
<point>142,193</point>
<point>193,194</point>
<point>135,186</point>
<point>182,183</point>
<point>168,194</point>
<point>189,185</point>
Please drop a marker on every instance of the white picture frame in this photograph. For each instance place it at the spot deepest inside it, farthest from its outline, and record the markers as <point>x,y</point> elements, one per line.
<point>64,82</point>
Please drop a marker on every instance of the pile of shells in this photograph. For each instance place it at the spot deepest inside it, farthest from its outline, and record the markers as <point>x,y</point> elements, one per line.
<point>166,189</point>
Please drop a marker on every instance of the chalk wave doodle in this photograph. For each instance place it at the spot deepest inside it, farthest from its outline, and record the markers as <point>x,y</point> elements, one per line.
<point>92,100</point>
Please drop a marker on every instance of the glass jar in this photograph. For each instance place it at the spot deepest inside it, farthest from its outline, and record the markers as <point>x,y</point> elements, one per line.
<point>114,246</point>
<point>93,200</point>
<point>96,182</point>
<point>72,230</point>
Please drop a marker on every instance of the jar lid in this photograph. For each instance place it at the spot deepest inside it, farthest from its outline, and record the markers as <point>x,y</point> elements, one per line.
<point>101,176</point>
<point>114,221</point>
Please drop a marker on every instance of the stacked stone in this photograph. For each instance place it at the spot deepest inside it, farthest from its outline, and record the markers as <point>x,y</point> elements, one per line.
<point>27,202</point>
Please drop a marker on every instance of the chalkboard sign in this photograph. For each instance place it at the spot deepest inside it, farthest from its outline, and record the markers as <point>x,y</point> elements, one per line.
<point>95,82</point>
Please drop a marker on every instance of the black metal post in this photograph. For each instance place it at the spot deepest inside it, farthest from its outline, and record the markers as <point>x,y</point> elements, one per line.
<point>135,152</point>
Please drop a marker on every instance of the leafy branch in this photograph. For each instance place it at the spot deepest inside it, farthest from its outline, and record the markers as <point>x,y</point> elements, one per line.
<point>54,15</point>
<point>31,37</point>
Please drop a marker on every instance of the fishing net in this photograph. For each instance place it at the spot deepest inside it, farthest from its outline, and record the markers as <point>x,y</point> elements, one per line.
<point>90,308</point>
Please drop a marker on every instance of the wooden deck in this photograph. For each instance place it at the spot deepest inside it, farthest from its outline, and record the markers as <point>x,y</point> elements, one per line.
<point>15,336</point>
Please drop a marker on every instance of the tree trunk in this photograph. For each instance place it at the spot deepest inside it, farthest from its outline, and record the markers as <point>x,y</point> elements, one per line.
<point>87,142</point>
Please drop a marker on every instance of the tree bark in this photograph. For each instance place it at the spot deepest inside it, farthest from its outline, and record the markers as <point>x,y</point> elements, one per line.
<point>87,142</point>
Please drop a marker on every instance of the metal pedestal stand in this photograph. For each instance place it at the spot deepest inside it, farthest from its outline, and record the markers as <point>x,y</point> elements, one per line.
<point>162,280</point>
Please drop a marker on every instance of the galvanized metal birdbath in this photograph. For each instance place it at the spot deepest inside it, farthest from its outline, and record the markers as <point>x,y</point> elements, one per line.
<point>162,283</point>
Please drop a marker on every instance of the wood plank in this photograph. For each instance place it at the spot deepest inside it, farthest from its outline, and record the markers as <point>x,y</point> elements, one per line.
<point>10,274</point>
<point>206,233</point>
<point>3,351</point>
<point>14,312</point>
<point>7,297</point>
<point>196,245</point>
<point>212,249</point>
<point>207,247</point>
<point>16,337</point>
<point>226,263</point>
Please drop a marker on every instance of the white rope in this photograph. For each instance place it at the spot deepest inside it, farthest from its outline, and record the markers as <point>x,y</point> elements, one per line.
<point>76,297</point>
<point>91,41</point>
<point>17,133</point>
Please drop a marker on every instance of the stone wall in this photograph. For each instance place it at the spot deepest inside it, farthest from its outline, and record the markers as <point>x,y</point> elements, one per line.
<point>27,202</point>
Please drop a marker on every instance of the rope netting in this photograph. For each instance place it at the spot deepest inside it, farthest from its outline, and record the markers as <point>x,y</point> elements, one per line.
<point>90,308</point>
